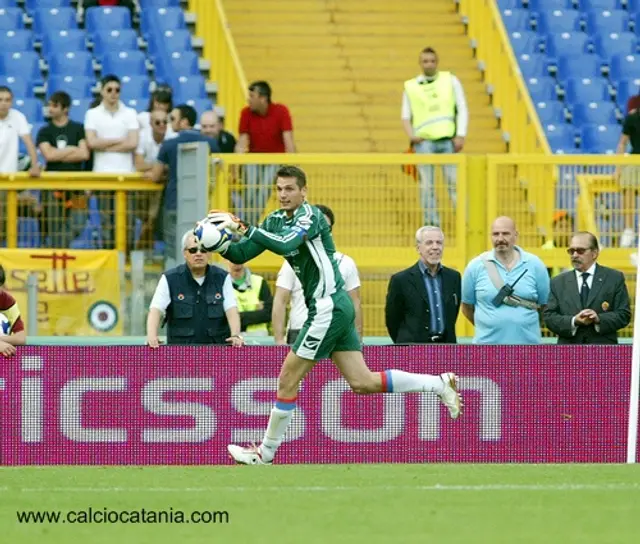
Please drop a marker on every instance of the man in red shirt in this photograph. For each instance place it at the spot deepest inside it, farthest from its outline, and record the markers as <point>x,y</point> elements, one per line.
<point>265,127</point>
<point>12,331</point>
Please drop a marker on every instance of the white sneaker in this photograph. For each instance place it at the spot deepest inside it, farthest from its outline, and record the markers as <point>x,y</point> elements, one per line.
<point>450,396</point>
<point>251,455</point>
<point>628,238</point>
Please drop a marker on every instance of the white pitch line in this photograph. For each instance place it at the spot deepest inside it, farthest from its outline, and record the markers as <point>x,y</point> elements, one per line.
<point>435,487</point>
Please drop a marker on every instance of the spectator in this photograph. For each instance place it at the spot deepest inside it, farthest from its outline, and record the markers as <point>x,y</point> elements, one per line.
<point>192,318</point>
<point>289,288</point>
<point>211,125</point>
<point>14,126</point>
<point>633,103</point>
<point>589,304</point>
<point>183,118</point>
<point>265,127</point>
<point>129,4</point>
<point>423,301</point>
<point>63,145</point>
<point>13,333</point>
<point>629,176</point>
<point>161,99</point>
<point>435,118</point>
<point>254,300</point>
<point>498,318</point>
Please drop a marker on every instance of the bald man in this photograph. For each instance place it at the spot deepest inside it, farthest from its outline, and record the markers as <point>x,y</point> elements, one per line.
<point>510,318</point>
<point>211,125</point>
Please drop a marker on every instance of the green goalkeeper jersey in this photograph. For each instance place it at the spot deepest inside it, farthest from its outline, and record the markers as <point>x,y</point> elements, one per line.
<point>304,240</point>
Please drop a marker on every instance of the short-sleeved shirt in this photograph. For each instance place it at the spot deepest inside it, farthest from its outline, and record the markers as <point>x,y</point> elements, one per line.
<point>12,127</point>
<point>288,280</point>
<point>265,131</point>
<point>631,128</point>
<point>9,308</point>
<point>70,135</point>
<point>506,324</point>
<point>168,155</point>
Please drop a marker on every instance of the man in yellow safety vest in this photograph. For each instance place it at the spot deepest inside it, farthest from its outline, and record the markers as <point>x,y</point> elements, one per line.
<point>254,300</point>
<point>435,118</point>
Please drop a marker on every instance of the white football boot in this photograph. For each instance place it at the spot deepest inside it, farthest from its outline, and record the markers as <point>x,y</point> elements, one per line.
<point>450,396</point>
<point>249,455</point>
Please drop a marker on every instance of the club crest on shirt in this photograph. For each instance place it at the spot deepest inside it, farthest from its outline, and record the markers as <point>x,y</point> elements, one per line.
<point>605,306</point>
<point>180,296</point>
<point>217,296</point>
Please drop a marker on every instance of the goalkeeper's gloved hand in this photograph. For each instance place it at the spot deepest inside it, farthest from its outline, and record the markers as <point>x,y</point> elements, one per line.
<point>225,220</point>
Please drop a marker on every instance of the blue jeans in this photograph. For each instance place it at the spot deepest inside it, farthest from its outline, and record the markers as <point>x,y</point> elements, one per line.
<point>256,184</point>
<point>427,180</point>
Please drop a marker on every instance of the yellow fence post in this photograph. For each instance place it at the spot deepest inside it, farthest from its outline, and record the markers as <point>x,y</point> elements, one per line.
<point>12,219</point>
<point>121,221</point>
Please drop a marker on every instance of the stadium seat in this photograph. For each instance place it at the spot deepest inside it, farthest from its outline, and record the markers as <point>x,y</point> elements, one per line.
<point>77,86</point>
<point>28,232</point>
<point>135,87</point>
<point>79,108</point>
<point>138,103</point>
<point>101,19</point>
<point>536,65</point>
<point>147,4</point>
<point>184,63</point>
<point>541,6</point>
<point>24,64</point>
<point>558,21</point>
<point>551,112</point>
<point>525,42</point>
<point>568,43</point>
<point>91,236</point>
<point>45,21</point>
<point>607,22</point>
<point>20,87</point>
<point>600,138</point>
<point>591,5</point>
<point>114,40</point>
<point>32,5</point>
<point>187,88</point>
<point>4,4</point>
<point>200,105</point>
<point>157,20</point>
<point>624,66</point>
<point>16,40</point>
<point>625,89</point>
<point>609,45</point>
<point>76,63</point>
<point>121,63</point>
<point>63,41</point>
<point>516,20</point>
<point>594,113</point>
<point>542,89</point>
<point>560,136</point>
<point>585,66</point>
<point>169,40</point>
<point>586,90</point>
<point>31,107</point>
<point>11,19</point>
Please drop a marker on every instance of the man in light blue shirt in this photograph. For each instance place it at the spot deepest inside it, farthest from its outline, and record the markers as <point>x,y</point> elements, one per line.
<point>505,324</point>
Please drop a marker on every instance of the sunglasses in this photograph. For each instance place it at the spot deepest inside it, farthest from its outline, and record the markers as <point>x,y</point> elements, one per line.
<point>159,123</point>
<point>194,250</point>
<point>578,250</point>
<point>111,90</point>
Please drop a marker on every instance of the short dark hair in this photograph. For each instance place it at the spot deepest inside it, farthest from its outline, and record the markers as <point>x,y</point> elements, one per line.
<point>2,276</point>
<point>5,89</point>
<point>61,99</point>
<point>429,50</point>
<point>262,88</point>
<point>162,95</point>
<point>109,78</point>
<point>328,212</point>
<point>593,241</point>
<point>289,171</point>
<point>187,112</point>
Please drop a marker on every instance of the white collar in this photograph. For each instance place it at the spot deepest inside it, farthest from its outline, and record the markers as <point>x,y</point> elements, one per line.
<point>591,271</point>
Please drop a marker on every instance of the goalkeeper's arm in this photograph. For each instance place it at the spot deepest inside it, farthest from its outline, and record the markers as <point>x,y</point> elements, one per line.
<point>280,244</point>
<point>242,251</point>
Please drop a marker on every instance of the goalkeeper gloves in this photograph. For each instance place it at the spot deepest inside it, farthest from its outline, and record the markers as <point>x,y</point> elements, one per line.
<point>225,220</point>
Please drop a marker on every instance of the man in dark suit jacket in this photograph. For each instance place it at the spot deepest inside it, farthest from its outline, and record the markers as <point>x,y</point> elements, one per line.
<point>589,304</point>
<point>423,301</point>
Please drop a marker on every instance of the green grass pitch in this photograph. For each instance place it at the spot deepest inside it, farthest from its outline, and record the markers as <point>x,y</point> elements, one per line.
<point>332,504</point>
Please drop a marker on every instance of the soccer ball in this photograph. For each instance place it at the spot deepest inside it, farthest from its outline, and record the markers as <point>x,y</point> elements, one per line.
<point>210,238</point>
<point>5,326</point>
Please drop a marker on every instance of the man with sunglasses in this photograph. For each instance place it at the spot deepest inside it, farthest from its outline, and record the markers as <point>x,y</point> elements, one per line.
<point>589,304</point>
<point>197,302</point>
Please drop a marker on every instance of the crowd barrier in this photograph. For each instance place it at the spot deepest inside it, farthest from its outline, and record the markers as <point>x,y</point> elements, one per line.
<point>183,405</point>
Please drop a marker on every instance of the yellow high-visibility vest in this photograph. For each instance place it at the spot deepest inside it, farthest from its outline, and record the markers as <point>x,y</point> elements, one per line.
<point>433,107</point>
<point>248,301</point>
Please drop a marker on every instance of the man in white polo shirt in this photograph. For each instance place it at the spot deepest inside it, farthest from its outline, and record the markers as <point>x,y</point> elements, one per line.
<point>14,125</point>
<point>288,288</point>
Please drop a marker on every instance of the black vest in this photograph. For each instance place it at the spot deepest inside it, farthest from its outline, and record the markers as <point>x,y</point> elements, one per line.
<point>196,313</point>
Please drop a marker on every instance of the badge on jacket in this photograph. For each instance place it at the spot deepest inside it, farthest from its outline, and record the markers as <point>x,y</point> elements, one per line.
<point>180,296</point>
<point>218,296</point>
<point>605,306</point>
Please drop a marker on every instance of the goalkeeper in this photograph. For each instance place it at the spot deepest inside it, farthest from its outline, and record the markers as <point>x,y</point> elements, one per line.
<point>299,232</point>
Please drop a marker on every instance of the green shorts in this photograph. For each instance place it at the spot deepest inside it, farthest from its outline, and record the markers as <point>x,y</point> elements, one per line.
<point>330,327</point>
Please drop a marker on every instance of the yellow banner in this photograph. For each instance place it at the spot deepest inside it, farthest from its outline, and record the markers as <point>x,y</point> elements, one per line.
<point>78,291</point>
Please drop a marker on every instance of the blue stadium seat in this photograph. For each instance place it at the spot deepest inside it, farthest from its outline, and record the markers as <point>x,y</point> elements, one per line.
<point>557,21</point>
<point>585,66</point>
<point>7,4</point>
<point>76,86</point>
<point>157,20</point>
<point>200,105</point>
<point>101,19</point>
<point>16,40</point>
<point>77,63</point>
<point>600,138</point>
<point>625,89</point>
<point>525,42</point>
<point>624,66</point>
<point>63,41</point>
<point>516,20</point>
<point>24,64</point>
<point>586,90</point>
<point>20,87</point>
<point>560,136</point>
<point>31,107</point>
<point>536,65</point>
<point>11,19</point>
<point>568,43</point>
<point>138,103</point>
<point>79,108</point>
<point>188,88</point>
<point>121,63</point>
<point>590,5</point>
<point>32,5</point>
<point>542,89</point>
<point>184,63</point>
<point>135,87</point>
<point>91,236</point>
<point>114,40</point>
<point>594,113</point>
<point>607,22</point>
<point>35,127</point>
<point>28,232</point>
<point>551,112</point>
<point>542,6</point>
<point>169,40</point>
<point>147,4</point>
<point>609,45</point>
<point>46,21</point>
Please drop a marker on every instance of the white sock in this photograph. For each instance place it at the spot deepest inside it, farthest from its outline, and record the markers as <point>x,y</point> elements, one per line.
<point>279,420</point>
<point>399,381</point>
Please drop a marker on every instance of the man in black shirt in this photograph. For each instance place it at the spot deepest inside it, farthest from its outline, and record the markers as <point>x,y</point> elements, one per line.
<point>211,125</point>
<point>62,143</point>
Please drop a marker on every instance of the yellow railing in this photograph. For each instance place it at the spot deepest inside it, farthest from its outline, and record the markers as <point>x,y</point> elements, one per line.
<point>220,51</point>
<point>501,72</point>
